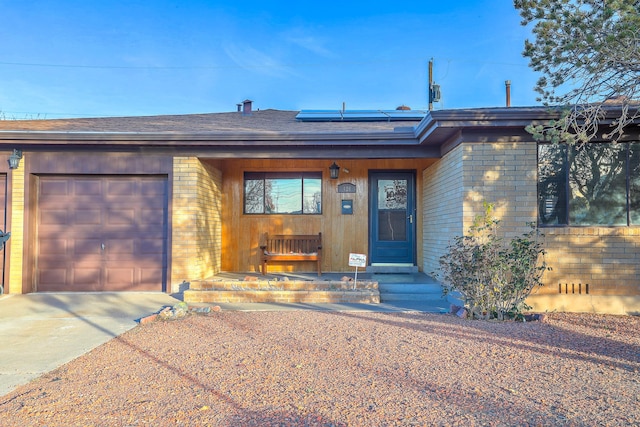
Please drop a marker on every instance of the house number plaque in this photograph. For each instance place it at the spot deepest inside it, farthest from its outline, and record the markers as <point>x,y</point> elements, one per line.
<point>346,188</point>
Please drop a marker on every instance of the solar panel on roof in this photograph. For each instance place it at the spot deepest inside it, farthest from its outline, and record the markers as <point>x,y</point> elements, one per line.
<point>360,115</point>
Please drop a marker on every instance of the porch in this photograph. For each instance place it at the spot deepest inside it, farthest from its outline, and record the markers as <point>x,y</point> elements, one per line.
<point>388,292</point>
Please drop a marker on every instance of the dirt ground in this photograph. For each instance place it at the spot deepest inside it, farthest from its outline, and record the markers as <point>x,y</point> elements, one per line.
<point>313,368</point>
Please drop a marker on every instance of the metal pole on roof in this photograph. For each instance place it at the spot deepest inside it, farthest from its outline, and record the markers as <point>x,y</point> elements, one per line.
<point>431,84</point>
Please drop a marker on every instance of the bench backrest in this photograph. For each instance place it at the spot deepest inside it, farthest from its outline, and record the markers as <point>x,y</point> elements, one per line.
<point>293,244</point>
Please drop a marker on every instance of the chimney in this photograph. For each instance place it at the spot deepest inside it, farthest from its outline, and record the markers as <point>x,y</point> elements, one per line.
<point>246,107</point>
<point>239,107</point>
<point>507,85</point>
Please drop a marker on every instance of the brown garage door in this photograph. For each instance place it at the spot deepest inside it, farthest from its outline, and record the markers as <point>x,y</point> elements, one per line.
<point>101,233</point>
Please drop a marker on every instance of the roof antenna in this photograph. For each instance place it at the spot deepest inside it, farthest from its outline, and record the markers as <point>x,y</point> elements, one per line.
<point>434,89</point>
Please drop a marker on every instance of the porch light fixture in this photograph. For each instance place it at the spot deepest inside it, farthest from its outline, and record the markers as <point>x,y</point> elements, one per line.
<point>334,170</point>
<point>14,159</point>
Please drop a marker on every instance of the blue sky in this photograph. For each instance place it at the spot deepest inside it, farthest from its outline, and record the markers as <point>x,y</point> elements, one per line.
<point>70,58</point>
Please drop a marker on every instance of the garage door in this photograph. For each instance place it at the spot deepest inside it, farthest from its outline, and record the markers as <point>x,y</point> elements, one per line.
<point>101,233</point>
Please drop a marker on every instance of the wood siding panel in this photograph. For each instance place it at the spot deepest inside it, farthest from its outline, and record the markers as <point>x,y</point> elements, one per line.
<point>341,234</point>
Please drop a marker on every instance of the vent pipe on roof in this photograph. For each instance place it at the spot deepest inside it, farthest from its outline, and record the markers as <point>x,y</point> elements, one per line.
<point>507,85</point>
<point>246,107</point>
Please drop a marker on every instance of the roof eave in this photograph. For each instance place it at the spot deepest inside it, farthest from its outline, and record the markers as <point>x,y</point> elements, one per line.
<point>403,136</point>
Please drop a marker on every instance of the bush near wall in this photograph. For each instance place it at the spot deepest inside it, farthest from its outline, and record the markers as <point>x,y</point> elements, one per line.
<point>493,277</point>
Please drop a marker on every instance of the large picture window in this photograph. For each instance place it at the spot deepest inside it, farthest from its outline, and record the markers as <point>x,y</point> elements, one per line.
<point>597,184</point>
<point>294,193</point>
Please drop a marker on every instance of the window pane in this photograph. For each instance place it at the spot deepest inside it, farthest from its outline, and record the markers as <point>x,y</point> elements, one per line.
<point>312,190</point>
<point>552,184</point>
<point>283,193</point>
<point>597,182</point>
<point>253,196</point>
<point>392,225</point>
<point>392,194</point>
<point>283,196</point>
<point>634,182</point>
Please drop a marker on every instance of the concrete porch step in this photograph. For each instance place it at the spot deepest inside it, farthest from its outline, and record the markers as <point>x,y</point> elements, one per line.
<point>361,296</point>
<point>410,292</point>
<point>410,288</point>
<point>258,290</point>
<point>392,269</point>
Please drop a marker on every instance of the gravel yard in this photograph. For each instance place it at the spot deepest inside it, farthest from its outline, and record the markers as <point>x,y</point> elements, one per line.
<point>314,368</point>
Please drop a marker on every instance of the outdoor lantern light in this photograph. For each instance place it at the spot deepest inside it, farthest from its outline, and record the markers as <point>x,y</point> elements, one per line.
<point>334,170</point>
<point>14,159</point>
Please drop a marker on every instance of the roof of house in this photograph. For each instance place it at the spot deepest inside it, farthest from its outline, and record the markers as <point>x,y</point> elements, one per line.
<point>257,121</point>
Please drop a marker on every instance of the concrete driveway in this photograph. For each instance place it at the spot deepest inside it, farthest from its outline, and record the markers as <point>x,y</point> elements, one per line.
<point>40,332</point>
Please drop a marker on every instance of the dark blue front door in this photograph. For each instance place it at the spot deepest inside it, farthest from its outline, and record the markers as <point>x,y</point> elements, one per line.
<point>392,218</point>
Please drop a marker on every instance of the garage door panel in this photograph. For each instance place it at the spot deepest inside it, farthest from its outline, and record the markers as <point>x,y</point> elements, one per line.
<point>87,217</point>
<point>121,188</point>
<point>125,214</point>
<point>83,247</point>
<point>152,188</point>
<point>54,246</point>
<point>148,246</point>
<point>54,278</point>
<point>55,217</point>
<point>149,276</point>
<point>54,187</point>
<point>125,217</point>
<point>83,277</point>
<point>123,277</point>
<point>87,187</point>
<point>120,246</point>
<point>152,217</point>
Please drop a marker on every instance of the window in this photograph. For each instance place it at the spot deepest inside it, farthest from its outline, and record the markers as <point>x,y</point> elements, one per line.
<point>293,193</point>
<point>597,184</point>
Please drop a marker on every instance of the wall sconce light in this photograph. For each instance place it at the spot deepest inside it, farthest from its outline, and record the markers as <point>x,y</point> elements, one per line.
<point>334,170</point>
<point>14,159</point>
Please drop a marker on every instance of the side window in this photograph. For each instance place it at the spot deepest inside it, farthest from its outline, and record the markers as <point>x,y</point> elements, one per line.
<point>292,193</point>
<point>596,184</point>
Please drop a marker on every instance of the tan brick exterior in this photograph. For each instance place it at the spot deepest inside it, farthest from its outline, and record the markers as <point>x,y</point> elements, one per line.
<point>442,200</point>
<point>16,241</point>
<point>505,174</point>
<point>456,188</point>
<point>605,258</point>
<point>196,221</point>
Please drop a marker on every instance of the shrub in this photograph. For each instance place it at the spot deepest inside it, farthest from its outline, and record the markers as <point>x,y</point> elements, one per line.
<point>493,278</point>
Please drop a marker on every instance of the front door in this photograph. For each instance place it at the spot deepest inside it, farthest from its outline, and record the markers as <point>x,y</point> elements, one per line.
<point>392,218</point>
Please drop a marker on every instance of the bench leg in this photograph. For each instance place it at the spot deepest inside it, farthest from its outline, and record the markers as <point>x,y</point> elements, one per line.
<point>264,267</point>
<point>319,268</point>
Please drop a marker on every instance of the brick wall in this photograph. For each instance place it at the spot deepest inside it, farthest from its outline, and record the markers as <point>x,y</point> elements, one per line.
<point>16,242</point>
<point>196,220</point>
<point>442,198</point>
<point>605,258</point>
<point>505,174</point>
<point>456,187</point>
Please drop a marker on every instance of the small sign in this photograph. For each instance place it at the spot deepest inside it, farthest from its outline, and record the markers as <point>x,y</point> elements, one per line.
<point>347,187</point>
<point>357,260</point>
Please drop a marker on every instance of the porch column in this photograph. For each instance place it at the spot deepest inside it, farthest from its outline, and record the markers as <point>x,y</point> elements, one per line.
<point>16,241</point>
<point>196,221</point>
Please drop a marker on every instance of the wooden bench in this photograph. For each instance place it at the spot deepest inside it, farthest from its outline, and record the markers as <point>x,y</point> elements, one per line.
<point>285,247</point>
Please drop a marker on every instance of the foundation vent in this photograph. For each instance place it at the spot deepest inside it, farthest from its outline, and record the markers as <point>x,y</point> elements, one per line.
<point>566,288</point>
